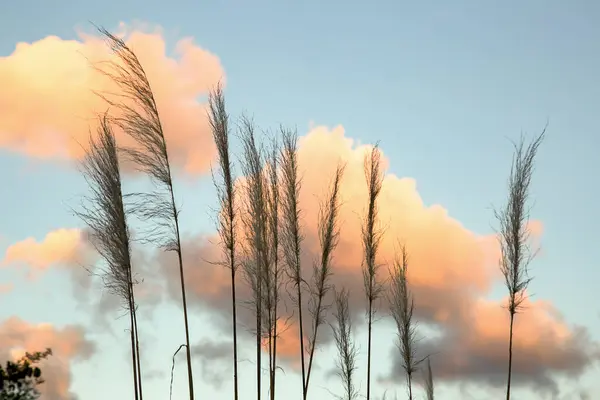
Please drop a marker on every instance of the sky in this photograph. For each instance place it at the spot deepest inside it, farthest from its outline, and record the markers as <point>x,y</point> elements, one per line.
<point>443,87</point>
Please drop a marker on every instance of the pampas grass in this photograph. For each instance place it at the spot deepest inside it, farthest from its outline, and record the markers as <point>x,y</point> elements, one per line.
<point>347,350</point>
<point>104,213</point>
<point>291,235</point>
<point>138,118</point>
<point>513,219</point>
<point>274,274</point>
<point>328,228</point>
<point>227,220</point>
<point>371,237</point>
<point>402,308</point>
<point>256,228</point>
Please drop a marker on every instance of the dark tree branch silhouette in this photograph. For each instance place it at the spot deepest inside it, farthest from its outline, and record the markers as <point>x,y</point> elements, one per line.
<point>19,379</point>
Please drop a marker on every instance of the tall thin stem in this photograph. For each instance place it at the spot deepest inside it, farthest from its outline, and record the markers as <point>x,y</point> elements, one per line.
<point>274,273</point>
<point>136,384</point>
<point>510,354</point>
<point>429,388</point>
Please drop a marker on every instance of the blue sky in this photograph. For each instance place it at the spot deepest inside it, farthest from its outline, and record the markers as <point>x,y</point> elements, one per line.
<point>441,85</point>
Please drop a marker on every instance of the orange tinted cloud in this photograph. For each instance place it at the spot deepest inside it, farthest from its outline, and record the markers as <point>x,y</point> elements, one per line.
<point>540,323</point>
<point>442,251</point>
<point>288,342</point>
<point>475,348</point>
<point>68,344</point>
<point>70,250</point>
<point>47,105</point>
<point>451,268</point>
<point>64,247</point>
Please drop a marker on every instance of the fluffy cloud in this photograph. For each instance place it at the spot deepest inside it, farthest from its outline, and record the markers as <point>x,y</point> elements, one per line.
<point>61,247</point>
<point>451,270</point>
<point>475,347</point>
<point>47,104</point>
<point>68,344</point>
<point>68,249</point>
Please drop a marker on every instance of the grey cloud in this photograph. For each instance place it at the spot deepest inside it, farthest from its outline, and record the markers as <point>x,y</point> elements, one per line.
<point>457,358</point>
<point>215,361</point>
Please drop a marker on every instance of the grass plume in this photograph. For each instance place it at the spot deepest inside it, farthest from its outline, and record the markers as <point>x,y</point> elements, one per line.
<point>256,226</point>
<point>347,350</point>
<point>104,213</point>
<point>273,276</point>
<point>371,238</point>
<point>139,118</point>
<point>329,233</point>
<point>513,219</point>
<point>291,235</point>
<point>227,221</point>
<point>402,308</point>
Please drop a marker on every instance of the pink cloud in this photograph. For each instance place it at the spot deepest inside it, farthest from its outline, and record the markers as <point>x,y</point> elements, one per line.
<point>68,344</point>
<point>451,270</point>
<point>64,247</point>
<point>47,105</point>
